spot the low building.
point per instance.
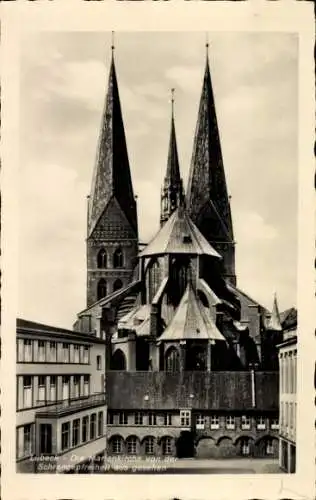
(61, 408)
(288, 389)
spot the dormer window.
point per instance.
(187, 238)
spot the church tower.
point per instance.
(207, 198)
(172, 193)
(112, 233)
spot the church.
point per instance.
(191, 361)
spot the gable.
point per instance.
(113, 223)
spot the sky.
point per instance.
(63, 84)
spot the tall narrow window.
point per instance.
(65, 384)
(76, 353)
(41, 351)
(41, 389)
(27, 350)
(86, 385)
(52, 352)
(131, 445)
(65, 436)
(100, 423)
(66, 352)
(93, 419)
(245, 446)
(52, 388)
(75, 432)
(27, 391)
(102, 289)
(76, 386)
(24, 441)
(101, 259)
(152, 418)
(86, 355)
(99, 362)
(149, 445)
(118, 258)
(167, 446)
(168, 419)
(45, 439)
(138, 418)
(85, 423)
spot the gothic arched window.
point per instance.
(118, 258)
(153, 279)
(102, 289)
(101, 259)
(172, 360)
(117, 285)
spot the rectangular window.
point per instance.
(100, 423)
(230, 422)
(214, 422)
(131, 445)
(138, 418)
(85, 423)
(53, 388)
(168, 419)
(41, 389)
(76, 353)
(149, 446)
(27, 391)
(99, 363)
(93, 419)
(45, 439)
(25, 441)
(65, 387)
(122, 418)
(152, 418)
(52, 352)
(76, 386)
(75, 432)
(185, 418)
(245, 422)
(261, 423)
(86, 355)
(110, 418)
(65, 436)
(66, 352)
(200, 421)
(27, 351)
(41, 351)
(86, 385)
(274, 423)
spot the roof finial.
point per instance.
(172, 100)
(112, 45)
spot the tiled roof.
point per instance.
(179, 235)
(191, 321)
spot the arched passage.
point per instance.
(118, 361)
(117, 285)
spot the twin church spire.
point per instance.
(112, 212)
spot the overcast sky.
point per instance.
(63, 87)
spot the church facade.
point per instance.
(191, 361)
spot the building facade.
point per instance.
(288, 390)
(61, 410)
(191, 360)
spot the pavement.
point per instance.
(170, 465)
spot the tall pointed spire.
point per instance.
(207, 198)
(112, 177)
(275, 320)
(112, 234)
(172, 191)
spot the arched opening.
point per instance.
(185, 445)
(172, 361)
(118, 258)
(196, 359)
(244, 446)
(118, 361)
(101, 259)
(267, 446)
(206, 448)
(102, 289)
(117, 285)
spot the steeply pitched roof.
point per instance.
(207, 183)
(289, 318)
(275, 321)
(173, 170)
(179, 235)
(112, 175)
(191, 321)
